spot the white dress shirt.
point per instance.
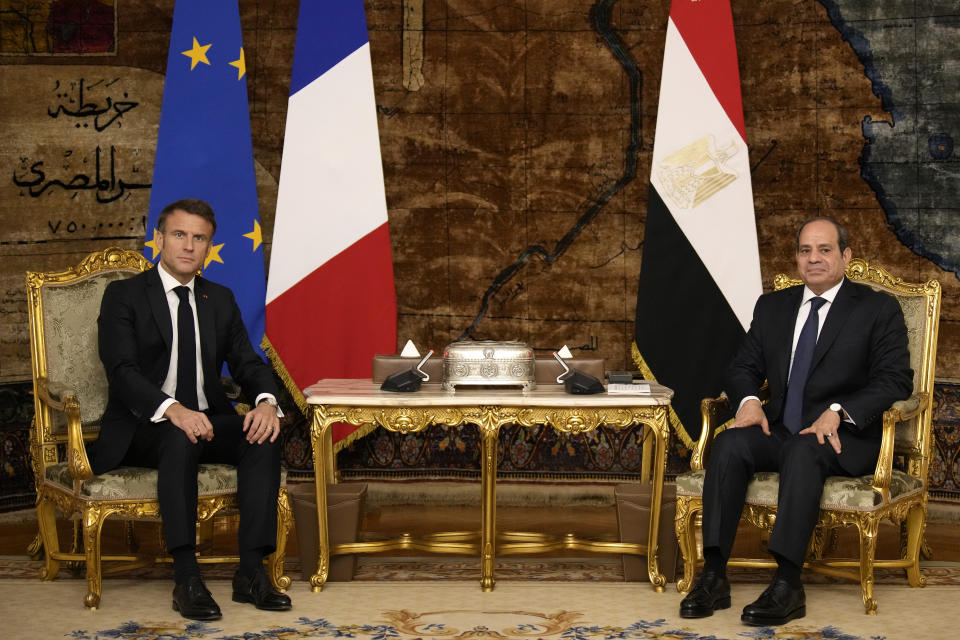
(169, 386)
(802, 314)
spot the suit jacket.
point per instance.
(136, 334)
(861, 361)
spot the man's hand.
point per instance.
(826, 429)
(193, 423)
(750, 414)
(261, 423)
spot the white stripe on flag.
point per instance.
(331, 178)
(721, 229)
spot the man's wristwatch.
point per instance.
(839, 409)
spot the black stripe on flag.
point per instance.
(685, 330)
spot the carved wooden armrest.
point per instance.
(711, 409)
(898, 412)
(911, 407)
(51, 394)
(60, 397)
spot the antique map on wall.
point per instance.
(908, 156)
(517, 169)
(58, 27)
(516, 139)
(77, 160)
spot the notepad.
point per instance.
(635, 389)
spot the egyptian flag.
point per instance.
(331, 303)
(700, 275)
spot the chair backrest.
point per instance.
(921, 312)
(62, 311)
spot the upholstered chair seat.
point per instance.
(839, 492)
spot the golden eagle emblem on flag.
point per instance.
(697, 171)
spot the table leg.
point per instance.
(488, 503)
(661, 433)
(646, 459)
(320, 472)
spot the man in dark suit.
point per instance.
(164, 337)
(835, 356)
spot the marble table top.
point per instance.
(364, 393)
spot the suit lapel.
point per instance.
(205, 316)
(784, 338)
(159, 306)
(837, 316)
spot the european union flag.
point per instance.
(204, 149)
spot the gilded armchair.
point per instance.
(70, 394)
(896, 491)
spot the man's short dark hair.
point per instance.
(843, 238)
(195, 206)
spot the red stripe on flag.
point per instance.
(707, 30)
(332, 322)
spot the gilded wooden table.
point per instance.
(361, 402)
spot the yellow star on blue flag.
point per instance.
(255, 235)
(197, 54)
(204, 149)
(240, 64)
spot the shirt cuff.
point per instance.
(158, 414)
(745, 398)
(271, 400)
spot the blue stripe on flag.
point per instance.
(327, 32)
(204, 148)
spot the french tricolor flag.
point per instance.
(700, 275)
(331, 303)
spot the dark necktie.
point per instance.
(802, 358)
(186, 352)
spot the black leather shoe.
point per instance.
(192, 599)
(778, 604)
(710, 593)
(258, 591)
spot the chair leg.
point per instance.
(915, 525)
(130, 536)
(686, 536)
(93, 517)
(276, 559)
(926, 551)
(76, 545)
(35, 548)
(47, 522)
(205, 532)
(868, 547)
(817, 543)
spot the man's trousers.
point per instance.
(166, 448)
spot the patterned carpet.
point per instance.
(390, 569)
(140, 609)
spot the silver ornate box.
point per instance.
(487, 362)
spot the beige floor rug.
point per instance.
(140, 609)
(428, 569)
